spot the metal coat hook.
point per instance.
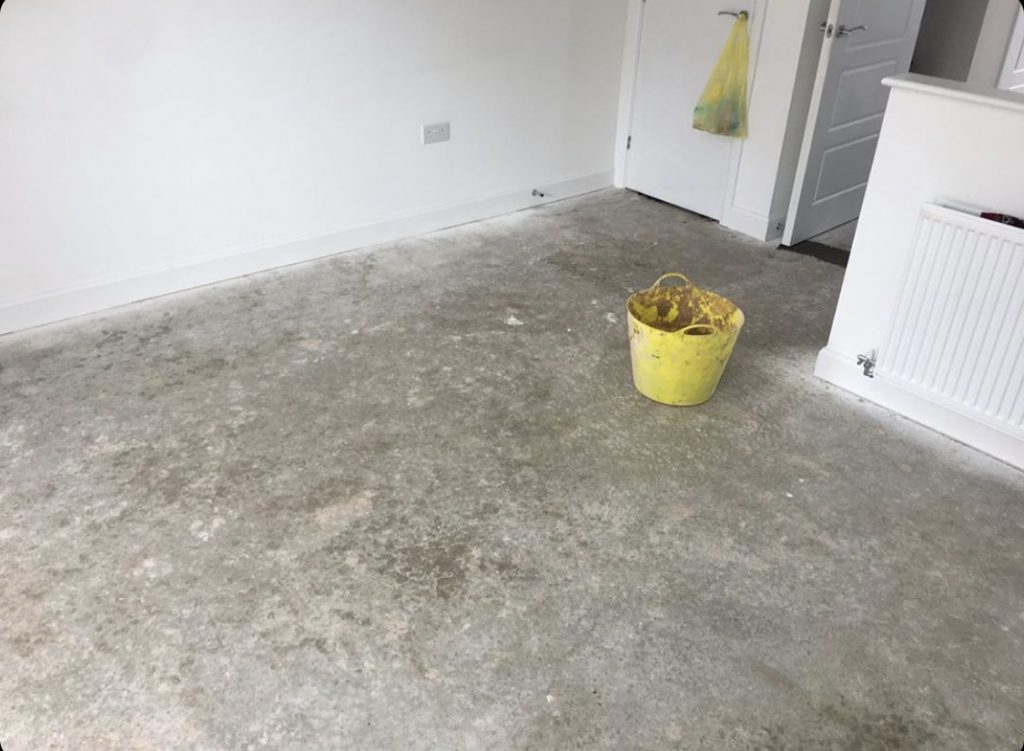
(734, 14)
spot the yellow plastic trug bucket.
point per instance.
(680, 339)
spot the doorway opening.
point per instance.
(803, 171)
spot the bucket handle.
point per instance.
(706, 326)
(671, 275)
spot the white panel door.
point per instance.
(680, 42)
(1013, 72)
(865, 41)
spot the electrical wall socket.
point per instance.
(437, 133)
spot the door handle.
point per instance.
(845, 31)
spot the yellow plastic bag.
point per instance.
(722, 108)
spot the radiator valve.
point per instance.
(868, 362)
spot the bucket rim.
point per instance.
(736, 318)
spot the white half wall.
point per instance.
(148, 147)
(942, 143)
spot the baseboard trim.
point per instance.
(776, 227)
(843, 371)
(58, 305)
(746, 222)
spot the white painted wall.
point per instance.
(150, 146)
(950, 31)
(993, 42)
(942, 142)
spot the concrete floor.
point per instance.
(408, 499)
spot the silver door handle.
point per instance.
(740, 14)
(845, 31)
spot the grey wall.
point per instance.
(995, 38)
(949, 38)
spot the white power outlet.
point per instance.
(437, 133)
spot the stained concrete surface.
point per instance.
(355, 505)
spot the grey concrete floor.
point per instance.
(353, 505)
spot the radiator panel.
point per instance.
(957, 333)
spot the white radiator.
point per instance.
(957, 334)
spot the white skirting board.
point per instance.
(746, 222)
(56, 305)
(755, 225)
(843, 371)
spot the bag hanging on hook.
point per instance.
(722, 108)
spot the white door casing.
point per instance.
(1012, 78)
(680, 42)
(847, 110)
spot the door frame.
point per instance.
(813, 112)
(732, 215)
(1012, 51)
(817, 93)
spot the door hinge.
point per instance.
(868, 362)
(629, 142)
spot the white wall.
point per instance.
(935, 146)
(993, 42)
(949, 37)
(150, 146)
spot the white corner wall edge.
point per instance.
(58, 305)
(627, 89)
(843, 371)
